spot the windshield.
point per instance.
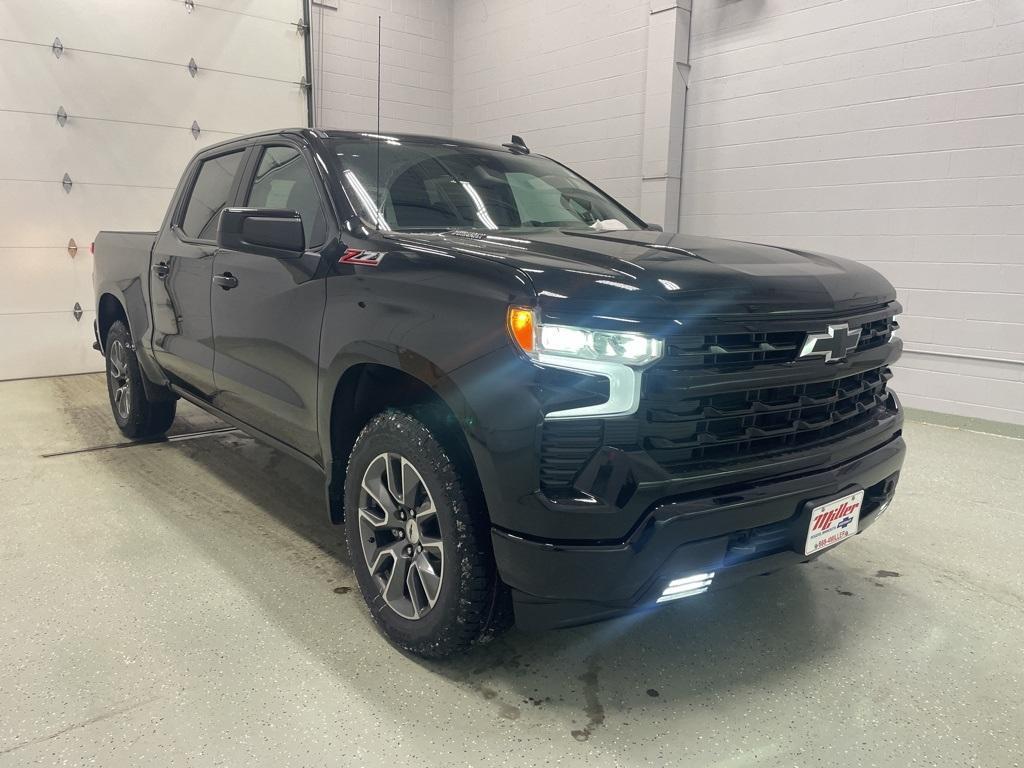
(438, 187)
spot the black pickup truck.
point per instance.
(526, 402)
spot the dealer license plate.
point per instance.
(833, 522)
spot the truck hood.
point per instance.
(658, 275)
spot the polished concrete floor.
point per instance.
(185, 603)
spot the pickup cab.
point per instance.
(527, 404)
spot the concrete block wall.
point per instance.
(567, 75)
(416, 64)
(888, 131)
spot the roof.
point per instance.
(323, 133)
(412, 138)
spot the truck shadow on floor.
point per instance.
(661, 664)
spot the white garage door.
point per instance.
(121, 74)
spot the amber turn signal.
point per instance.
(520, 325)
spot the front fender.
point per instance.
(491, 402)
(442, 321)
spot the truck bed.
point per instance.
(122, 253)
(120, 256)
(121, 266)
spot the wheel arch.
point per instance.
(367, 385)
(110, 309)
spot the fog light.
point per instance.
(688, 586)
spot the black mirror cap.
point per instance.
(274, 232)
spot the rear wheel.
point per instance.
(420, 547)
(135, 415)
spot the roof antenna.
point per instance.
(517, 146)
(380, 211)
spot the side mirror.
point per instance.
(265, 231)
(655, 228)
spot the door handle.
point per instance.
(161, 270)
(227, 281)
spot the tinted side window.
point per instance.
(283, 180)
(210, 196)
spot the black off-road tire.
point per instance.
(136, 416)
(472, 603)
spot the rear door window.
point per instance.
(210, 195)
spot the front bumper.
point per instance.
(736, 532)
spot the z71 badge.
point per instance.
(364, 258)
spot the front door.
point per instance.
(266, 320)
(181, 271)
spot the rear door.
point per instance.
(182, 271)
(267, 325)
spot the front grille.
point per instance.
(749, 348)
(876, 333)
(750, 420)
(755, 422)
(733, 349)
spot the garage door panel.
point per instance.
(160, 31)
(97, 151)
(38, 280)
(95, 86)
(47, 344)
(268, 9)
(124, 82)
(82, 278)
(80, 214)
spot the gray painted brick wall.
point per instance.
(568, 76)
(888, 131)
(416, 65)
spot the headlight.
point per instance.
(628, 348)
(618, 356)
(634, 349)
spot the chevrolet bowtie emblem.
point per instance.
(834, 345)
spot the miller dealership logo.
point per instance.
(834, 345)
(844, 514)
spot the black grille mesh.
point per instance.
(565, 448)
(877, 333)
(761, 421)
(752, 348)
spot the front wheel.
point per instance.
(420, 547)
(136, 415)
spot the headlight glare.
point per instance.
(537, 339)
(562, 339)
(627, 348)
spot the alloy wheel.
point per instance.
(117, 360)
(401, 535)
